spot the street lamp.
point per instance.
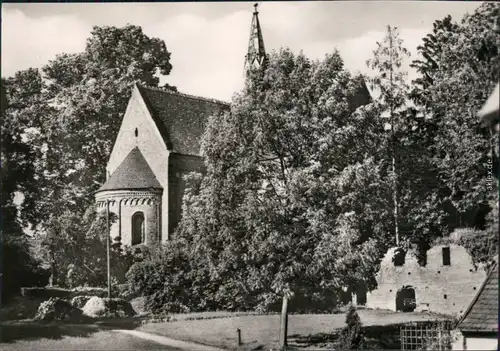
(108, 234)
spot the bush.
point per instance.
(352, 336)
(19, 268)
(164, 278)
(482, 245)
(89, 291)
(56, 309)
(49, 292)
(45, 293)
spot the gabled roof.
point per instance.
(180, 118)
(482, 313)
(133, 173)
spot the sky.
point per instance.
(208, 40)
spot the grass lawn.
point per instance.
(101, 340)
(261, 332)
(30, 335)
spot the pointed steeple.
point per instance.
(256, 56)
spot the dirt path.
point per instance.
(163, 340)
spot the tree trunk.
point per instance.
(284, 323)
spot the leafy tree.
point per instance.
(21, 141)
(459, 69)
(66, 117)
(275, 164)
(73, 110)
(164, 281)
(76, 249)
(19, 268)
(391, 82)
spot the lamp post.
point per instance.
(108, 234)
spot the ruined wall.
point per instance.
(438, 288)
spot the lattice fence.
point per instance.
(432, 335)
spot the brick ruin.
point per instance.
(446, 284)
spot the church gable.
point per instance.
(180, 118)
(139, 130)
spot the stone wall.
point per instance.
(446, 289)
(179, 166)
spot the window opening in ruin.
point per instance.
(422, 248)
(445, 296)
(138, 228)
(405, 299)
(446, 256)
(399, 257)
(136, 132)
(361, 295)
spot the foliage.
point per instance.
(19, 267)
(482, 245)
(56, 309)
(76, 250)
(283, 169)
(416, 206)
(459, 66)
(164, 280)
(352, 336)
(57, 134)
(389, 78)
(75, 105)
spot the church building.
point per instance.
(157, 144)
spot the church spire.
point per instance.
(256, 56)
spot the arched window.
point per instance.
(138, 231)
(405, 299)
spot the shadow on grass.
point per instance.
(32, 330)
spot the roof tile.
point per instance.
(133, 173)
(482, 314)
(181, 118)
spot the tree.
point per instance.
(459, 69)
(73, 110)
(22, 143)
(352, 336)
(75, 247)
(275, 166)
(65, 119)
(391, 81)
(19, 268)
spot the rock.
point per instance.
(139, 305)
(80, 301)
(56, 309)
(108, 308)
